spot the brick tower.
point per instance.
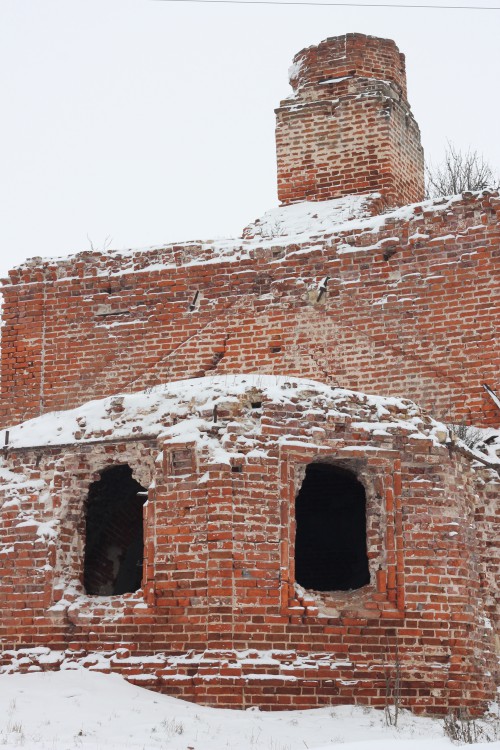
(348, 128)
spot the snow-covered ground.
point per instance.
(81, 709)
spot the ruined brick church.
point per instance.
(227, 468)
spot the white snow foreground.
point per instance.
(80, 709)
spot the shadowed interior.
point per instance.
(330, 543)
(114, 533)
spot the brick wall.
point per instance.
(402, 303)
(218, 619)
(411, 308)
(348, 128)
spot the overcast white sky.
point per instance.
(150, 121)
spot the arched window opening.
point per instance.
(114, 534)
(330, 542)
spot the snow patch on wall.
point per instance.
(184, 411)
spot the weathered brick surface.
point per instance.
(411, 308)
(218, 619)
(403, 303)
(348, 128)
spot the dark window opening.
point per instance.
(114, 533)
(330, 542)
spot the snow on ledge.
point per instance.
(186, 412)
(306, 224)
(309, 218)
(180, 410)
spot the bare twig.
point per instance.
(460, 171)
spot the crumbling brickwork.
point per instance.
(348, 128)
(358, 295)
(219, 617)
(411, 308)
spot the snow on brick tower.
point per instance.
(196, 491)
(348, 128)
